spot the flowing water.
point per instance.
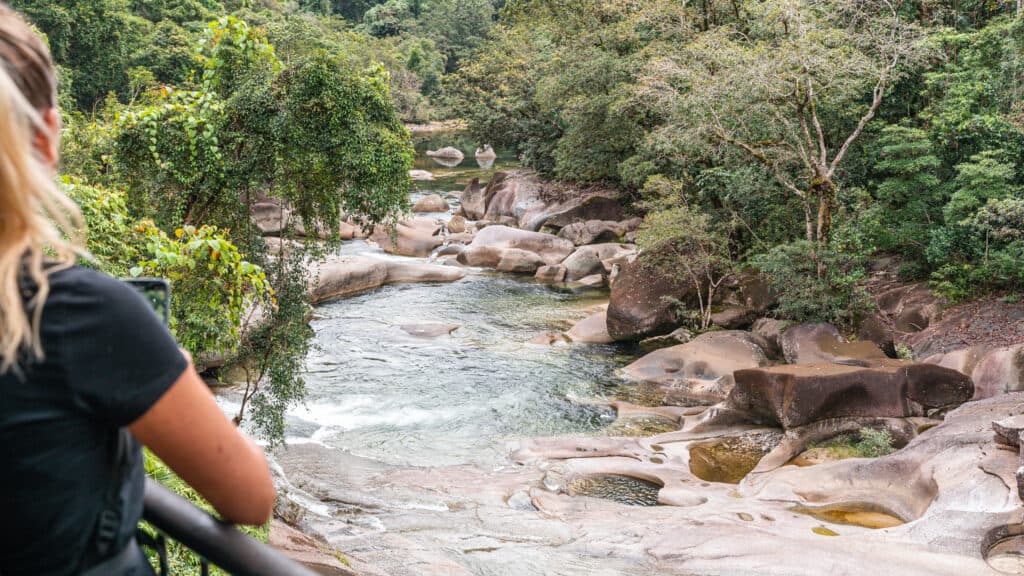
(385, 396)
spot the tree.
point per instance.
(686, 240)
(788, 94)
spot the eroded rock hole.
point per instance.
(621, 489)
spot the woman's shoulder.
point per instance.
(75, 284)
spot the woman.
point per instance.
(82, 357)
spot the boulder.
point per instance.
(343, 276)
(486, 152)
(963, 360)
(414, 238)
(421, 272)
(911, 308)
(734, 317)
(770, 330)
(592, 232)
(593, 208)
(514, 195)
(448, 152)
(457, 225)
(699, 371)
(588, 260)
(592, 330)
(638, 308)
(796, 395)
(481, 256)
(551, 274)
(999, 372)
(473, 201)
(822, 343)
(677, 337)
(520, 261)
(591, 282)
(302, 549)
(431, 203)
(551, 249)
(421, 175)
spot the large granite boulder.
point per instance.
(593, 232)
(417, 237)
(700, 371)
(822, 343)
(473, 201)
(593, 208)
(589, 260)
(519, 261)
(638, 308)
(592, 330)
(796, 395)
(447, 153)
(431, 203)
(770, 331)
(999, 372)
(346, 275)
(552, 249)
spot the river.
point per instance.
(381, 401)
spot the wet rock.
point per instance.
(431, 203)
(421, 175)
(473, 201)
(551, 273)
(399, 272)
(519, 261)
(481, 256)
(795, 395)
(699, 371)
(448, 152)
(429, 330)
(550, 339)
(457, 225)
(592, 232)
(551, 249)
(770, 330)
(592, 330)
(638, 308)
(450, 250)
(592, 282)
(822, 343)
(588, 260)
(302, 549)
(677, 337)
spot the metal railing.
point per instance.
(218, 543)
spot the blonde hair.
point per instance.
(39, 227)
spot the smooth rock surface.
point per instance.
(638, 308)
(699, 371)
(795, 395)
(588, 260)
(592, 330)
(431, 203)
(552, 249)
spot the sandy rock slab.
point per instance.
(343, 276)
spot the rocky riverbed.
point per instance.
(501, 390)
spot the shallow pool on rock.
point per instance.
(730, 459)
(852, 514)
(621, 489)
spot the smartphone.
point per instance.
(157, 292)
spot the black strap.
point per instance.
(124, 562)
(108, 525)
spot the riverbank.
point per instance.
(421, 392)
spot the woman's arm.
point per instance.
(190, 433)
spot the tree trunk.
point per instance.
(825, 191)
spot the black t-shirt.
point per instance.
(108, 359)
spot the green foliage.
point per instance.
(866, 443)
(389, 19)
(213, 285)
(181, 560)
(987, 176)
(684, 239)
(111, 235)
(804, 296)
